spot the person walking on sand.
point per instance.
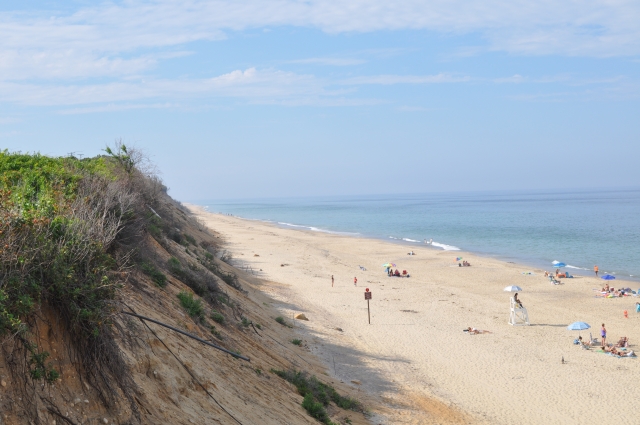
(603, 335)
(595, 269)
(355, 281)
(332, 281)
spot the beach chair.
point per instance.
(554, 281)
(592, 340)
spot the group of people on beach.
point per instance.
(396, 273)
(618, 349)
(464, 263)
(608, 292)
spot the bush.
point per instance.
(315, 409)
(215, 332)
(245, 322)
(191, 305)
(226, 257)
(67, 229)
(319, 391)
(175, 267)
(217, 317)
(297, 342)
(189, 239)
(156, 275)
(281, 320)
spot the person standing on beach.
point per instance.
(603, 335)
(355, 281)
(332, 281)
(595, 269)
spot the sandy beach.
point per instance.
(414, 356)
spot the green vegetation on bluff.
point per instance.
(317, 394)
(64, 227)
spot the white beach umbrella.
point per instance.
(513, 288)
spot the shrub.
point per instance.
(217, 317)
(189, 239)
(153, 225)
(258, 326)
(245, 322)
(281, 320)
(191, 305)
(315, 409)
(175, 267)
(215, 332)
(319, 391)
(67, 230)
(156, 275)
(226, 257)
(297, 342)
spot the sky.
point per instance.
(286, 98)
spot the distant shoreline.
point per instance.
(528, 262)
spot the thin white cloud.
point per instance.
(516, 78)
(405, 79)
(251, 84)
(560, 78)
(97, 38)
(104, 54)
(329, 61)
(9, 120)
(115, 107)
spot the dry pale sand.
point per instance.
(414, 355)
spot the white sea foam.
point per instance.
(410, 240)
(445, 246)
(315, 229)
(574, 267)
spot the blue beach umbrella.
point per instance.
(578, 326)
(559, 264)
(607, 277)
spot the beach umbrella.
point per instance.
(387, 265)
(559, 264)
(607, 277)
(458, 258)
(513, 288)
(578, 326)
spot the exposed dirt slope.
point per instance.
(177, 380)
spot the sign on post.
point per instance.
(367, 296)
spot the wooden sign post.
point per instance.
(367, 296)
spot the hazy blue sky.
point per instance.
(248, 98)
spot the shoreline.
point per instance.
(414, 356)
(529, 262)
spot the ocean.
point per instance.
(580, 228)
